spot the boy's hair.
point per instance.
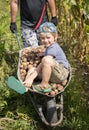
(48, 27)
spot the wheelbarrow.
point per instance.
(49, 107)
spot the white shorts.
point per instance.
(29, 37)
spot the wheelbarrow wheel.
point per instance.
(51, 111)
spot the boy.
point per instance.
(54, 65)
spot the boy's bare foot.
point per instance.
(28, 83)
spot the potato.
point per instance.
(35, 65)
(30, 66)
(52, 93)
(24, 64)
(36, 61)
(60, 87)
(23, 71)
(30, 57)
(47, 93)
(53, 86)
(21, 66)
(56, 91)
(64, 82)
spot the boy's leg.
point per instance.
(30, 71)
(29, 80)
(47, 63)
(46, 69)
(31, 76)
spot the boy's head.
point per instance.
(48, 28)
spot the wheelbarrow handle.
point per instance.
(17, 38)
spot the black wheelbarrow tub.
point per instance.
(19, 76)
(51, 103)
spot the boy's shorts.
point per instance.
(59, 73)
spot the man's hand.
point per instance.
(13, 27)
(54, 20)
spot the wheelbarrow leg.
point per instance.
(51, 113)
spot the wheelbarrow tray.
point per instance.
(19, 75)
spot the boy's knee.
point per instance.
(47, 60)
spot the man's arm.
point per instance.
(52, 7)
(14, 10)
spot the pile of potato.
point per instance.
(31, 57)
(56, 88)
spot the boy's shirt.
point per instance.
(57, 52)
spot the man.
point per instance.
(32, 14)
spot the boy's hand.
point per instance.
(13, 27)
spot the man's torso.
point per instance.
(30, 11)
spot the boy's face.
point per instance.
(47, 39)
